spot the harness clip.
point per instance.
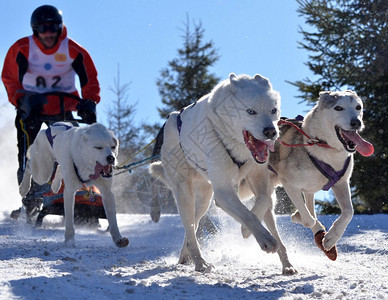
(312, 141)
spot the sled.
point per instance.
(88, 207)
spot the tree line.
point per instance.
(347, 45)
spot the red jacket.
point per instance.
(16, 66)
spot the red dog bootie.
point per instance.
(332, 253)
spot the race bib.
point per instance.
(48, 73)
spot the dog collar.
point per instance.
(331, 174)
(78, 175)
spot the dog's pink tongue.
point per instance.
(261, 151)
(363, 147)
(271, 145)
(97, 171)
(261, 148)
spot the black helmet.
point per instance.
(46, 14)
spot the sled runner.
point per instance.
(41, 201)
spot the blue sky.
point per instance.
(252, 36)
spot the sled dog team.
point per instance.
(228, 146)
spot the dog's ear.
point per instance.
(232, 77)
(327, 99)
(116, 141)
(262, 81)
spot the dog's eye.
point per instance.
(274, 111)
(251, 111)
(358, 107)
(338, 108)
(98, 148)
(113, 148)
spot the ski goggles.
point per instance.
(51, 27)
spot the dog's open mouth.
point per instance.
(352, 141)
(259, 149)
(104, 171)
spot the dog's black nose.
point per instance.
(355, 123)
(269, 132)
(110, 159)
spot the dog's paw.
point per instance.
(123, 242)
(289, 271)
(155, 214)
(70, 243)
(203, 267)
(319, 240)
(268, 243)
(330, 239)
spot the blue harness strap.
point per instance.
(50, 137)
(329, 172)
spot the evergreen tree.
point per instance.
(121, 116)
(187, 78)
(348, 50)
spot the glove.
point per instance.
(87, 111)
(30, 106)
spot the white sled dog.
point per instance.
(211, 146)
(86, 156)
(320, 157)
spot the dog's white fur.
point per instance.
(201, 159)
(298, 175)
(75, 149)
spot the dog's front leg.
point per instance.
(310, 204)
(341, 191)
(25, 185)
(110, 212)
(262, 187)
(302, 216)
(68, 202)
(228, 200)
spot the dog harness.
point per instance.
(331, 174)
(49, 135)
(179, 127)
(51, 138)
(310, 141)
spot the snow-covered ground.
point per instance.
(35, 263)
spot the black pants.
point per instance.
(27, 130)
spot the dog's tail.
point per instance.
(156, 168)
(158, 142)
(156, 171)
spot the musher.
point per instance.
(47, 61)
